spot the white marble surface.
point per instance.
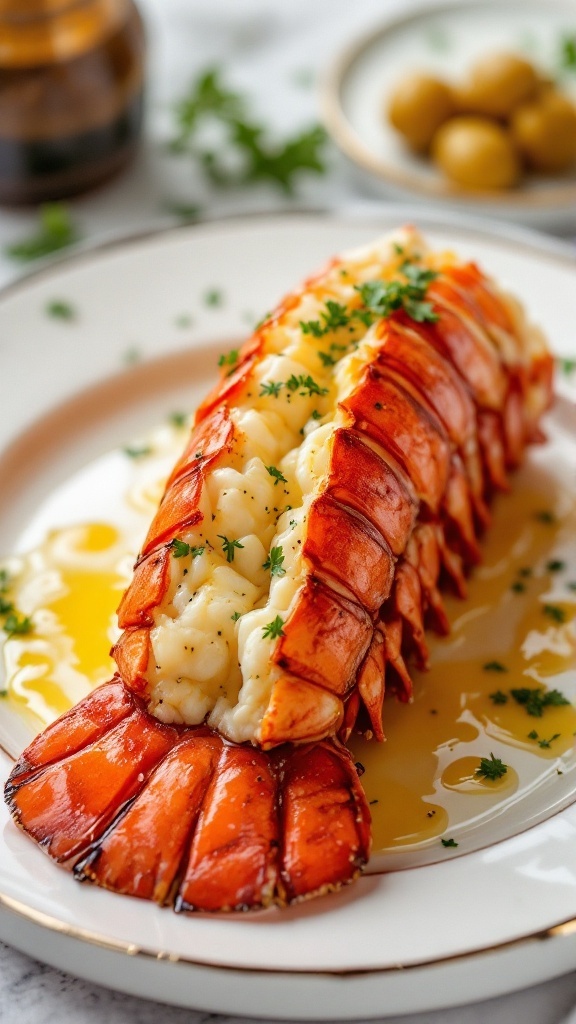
(270, 50)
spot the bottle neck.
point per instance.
(40, 32)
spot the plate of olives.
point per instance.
(469, 104)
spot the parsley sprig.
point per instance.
(180, 549)
(229, 546)
(274, 562)
(277, 476)
(536, 700)
(273, 629)
(56, 231)
(407, 292)
(15, 624)
(491, 768)
(261, 158)
(303, 383)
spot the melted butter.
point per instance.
(421, 780)
(463, 776)
(70, 586)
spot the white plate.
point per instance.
(464, 929)
(444, 39)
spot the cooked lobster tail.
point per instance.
(336, 479)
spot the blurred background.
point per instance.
(141, 117)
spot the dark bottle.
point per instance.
(71, 84)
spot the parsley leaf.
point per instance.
(568, 53)
(491, 768)
(229, 358)
(178, 419)
(56, 231)
(180, 549)
(271, 387)
(498, 697)
(307, 383)
(17, 625)
(138, 453)
(274, 562)
(449, 842)
(211, 102)
(494, 666)
(273, 629)
(554, 612)
(535, 701)
(228, 547)
(60, 310)
(278, 478)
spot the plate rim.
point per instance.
(548, 198)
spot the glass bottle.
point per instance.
(71, 85)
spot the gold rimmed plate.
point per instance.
(395, 942)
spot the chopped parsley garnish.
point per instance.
(213, 297)
(271, 387)
(229, 358)
(518, 587)
(186, 212)
(274, 562)
(304, 381)
(235, 616)
(138, 453)
(258, 157)
(334, 316)
(307, 383)
(276, 474)
(555, 565)
(17, 625)
(498, 697)
(567, 366)
(132, 355)
(5, 606)
(554, 612)
(60, 310)
(491, 768)
(178, 419)
(568, 53)
(180, 549)
(383, 297)
(494, 666)
(228, 547)
(315, 415)
(183, 320)
(535, 701)
(544, 516)
(326, 359)
(273, 629)
(56, 231)
(4, 580)
(543, 743)
(449, 842)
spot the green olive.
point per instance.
(418, 106)
(545, 132)
(477, 153)
(497, 84)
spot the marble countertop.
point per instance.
(271, 51)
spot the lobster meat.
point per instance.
(338, 475)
